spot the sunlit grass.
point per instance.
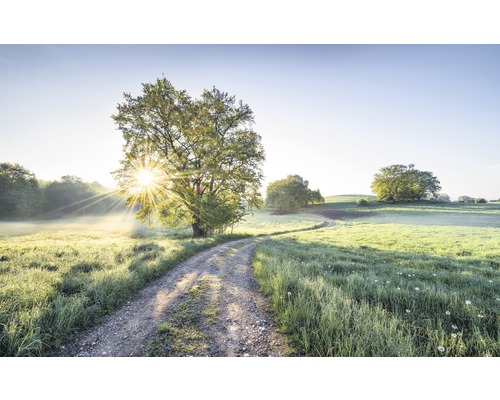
(265, 223)
(59, 277)
(367, 289)
(55, 283)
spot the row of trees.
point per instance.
(23, 196)
(292, 192)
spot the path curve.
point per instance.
(244, 325)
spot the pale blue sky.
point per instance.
(333, 114)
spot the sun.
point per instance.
(144, 177)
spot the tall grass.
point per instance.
(57, 278)
(54, 284)
(366, 289)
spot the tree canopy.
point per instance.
(292, 192)
(404, 183)
(203, 156)
(20, 193)
(23, 196)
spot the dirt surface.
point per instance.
(235, 319)
(344, 215)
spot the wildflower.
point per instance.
(409, 274)
(454, 335)
(459, 333)
(480, 315)
(408, 311)
(399, 288)
(376, 280)
(467, 302)
(454, 327)
(447, 312)
(388, 281)
(498, 298)
(417, 289)
(434, 275)
(490, 281)
(441, 349)
(289, 294)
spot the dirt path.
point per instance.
(208, 305)
(243, 325)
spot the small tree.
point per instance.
(443, 198)
(466, 199)
(404, 183)
(481, 200)
(292, 192)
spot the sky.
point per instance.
(334, 114)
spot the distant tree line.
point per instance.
(23, 196)
(292, 192)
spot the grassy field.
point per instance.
(399, 280)
(57, 278)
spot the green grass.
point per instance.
(56, 283)
(265, 223)
(367, 287)
(60, 277)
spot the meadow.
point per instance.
(397, 280)
(60, 277)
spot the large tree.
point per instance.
(193, 160)
(292, 192)
(404, 183)
(20, 194)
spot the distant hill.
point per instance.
(347, 197)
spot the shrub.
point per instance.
(481, 200)
(362, 202)
(466, 199)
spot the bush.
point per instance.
(466, 199)
(362, 202)
(481, 200)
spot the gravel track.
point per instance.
(244, 326)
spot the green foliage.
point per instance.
(315, 197)
(20, 193)
(291, 193)
(205, 149)
(466, 199)
(481, 200)
(71, 195)
(22, 196)
(404, 183)
(363, 202)
(443, 198)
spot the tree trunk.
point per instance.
(198, 232)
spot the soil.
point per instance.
(209, 305)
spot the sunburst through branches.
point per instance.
(144, 182)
